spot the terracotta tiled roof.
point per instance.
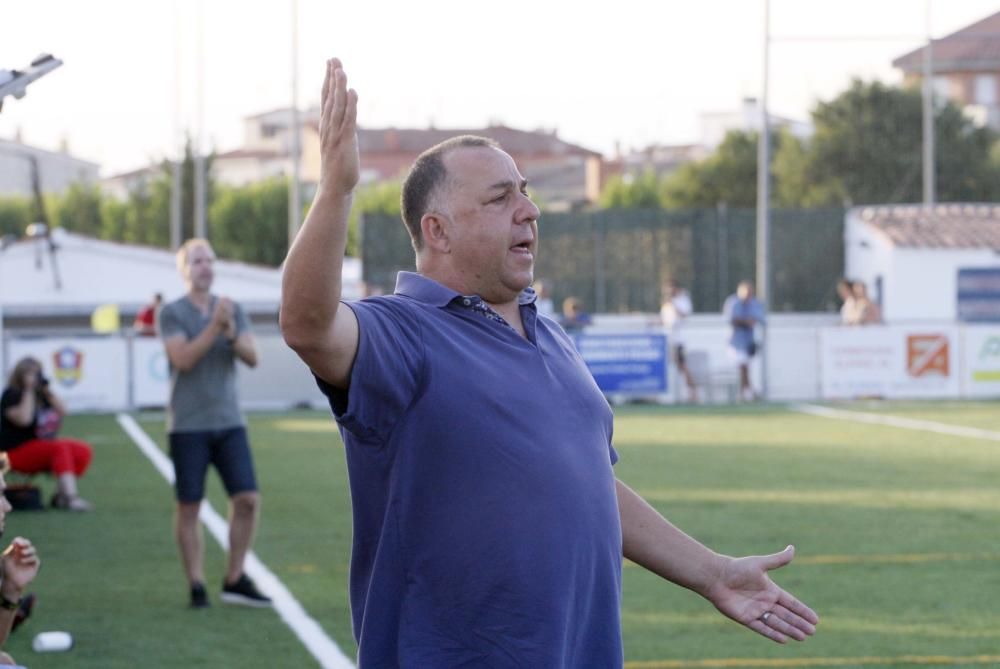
(973, 48)
(952, 226)
(417, 140)
(139, 173)
(259, 154)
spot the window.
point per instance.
(942, 88)
(985, 90)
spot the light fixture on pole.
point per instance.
(764, 193)
(15, 82)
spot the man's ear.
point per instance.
(434, 228)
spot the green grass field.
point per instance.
(896, 532)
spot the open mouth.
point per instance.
(524, 247)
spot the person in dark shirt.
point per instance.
(30, 417)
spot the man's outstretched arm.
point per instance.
(739, 587)
(314, 323)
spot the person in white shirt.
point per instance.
(676, 306)
(543, 300)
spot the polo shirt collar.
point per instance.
(429, 291)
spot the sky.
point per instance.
(604, 75)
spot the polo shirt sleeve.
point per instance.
(242, 322)
(387, 370)
(170, 324)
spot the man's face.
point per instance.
(493, 229)
(198, 271)
(744, 291)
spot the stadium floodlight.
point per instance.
(15, 82)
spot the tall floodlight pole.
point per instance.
(764, 192)
(295, 149)
(200, 228)
(928, 115)
(175, 189)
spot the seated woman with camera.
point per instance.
(30, 416)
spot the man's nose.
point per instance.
(529, 210)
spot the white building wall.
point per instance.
(927, 281)
(917, 283)
(57, 171)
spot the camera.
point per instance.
(43, 381)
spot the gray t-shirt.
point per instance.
(205, 397)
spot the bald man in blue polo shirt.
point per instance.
(489, 527)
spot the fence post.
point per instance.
(722, 226)
(600, 280)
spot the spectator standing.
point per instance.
(543, 298)
(848, 308)
(867, 311)
(205, 335)
(675, 308)
(744, 312)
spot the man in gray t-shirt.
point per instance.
(204, 335)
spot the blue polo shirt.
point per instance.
(741, 337)
(486, 527)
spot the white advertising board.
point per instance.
(981, 371)
(88, 373)
(150, 373)
(889, 361)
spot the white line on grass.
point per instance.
(897, 421)
(316, 641)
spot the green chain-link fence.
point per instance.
(615, 260)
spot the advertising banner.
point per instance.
(889, 361)
(978, 298)
(981, 372)
(88, 373)
(626, 364)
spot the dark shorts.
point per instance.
(228, 450)
(679, 355)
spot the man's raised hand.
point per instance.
(340, 164)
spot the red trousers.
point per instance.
(56, 456)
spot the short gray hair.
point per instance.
(426, 177)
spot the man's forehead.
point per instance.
(480, 166)
(200, 251)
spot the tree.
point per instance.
(15, 215)
(79, 210)
(629, 191)
(145, 218)
(376, 198)
(867, 149)
(729, 175)
(250, 223)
